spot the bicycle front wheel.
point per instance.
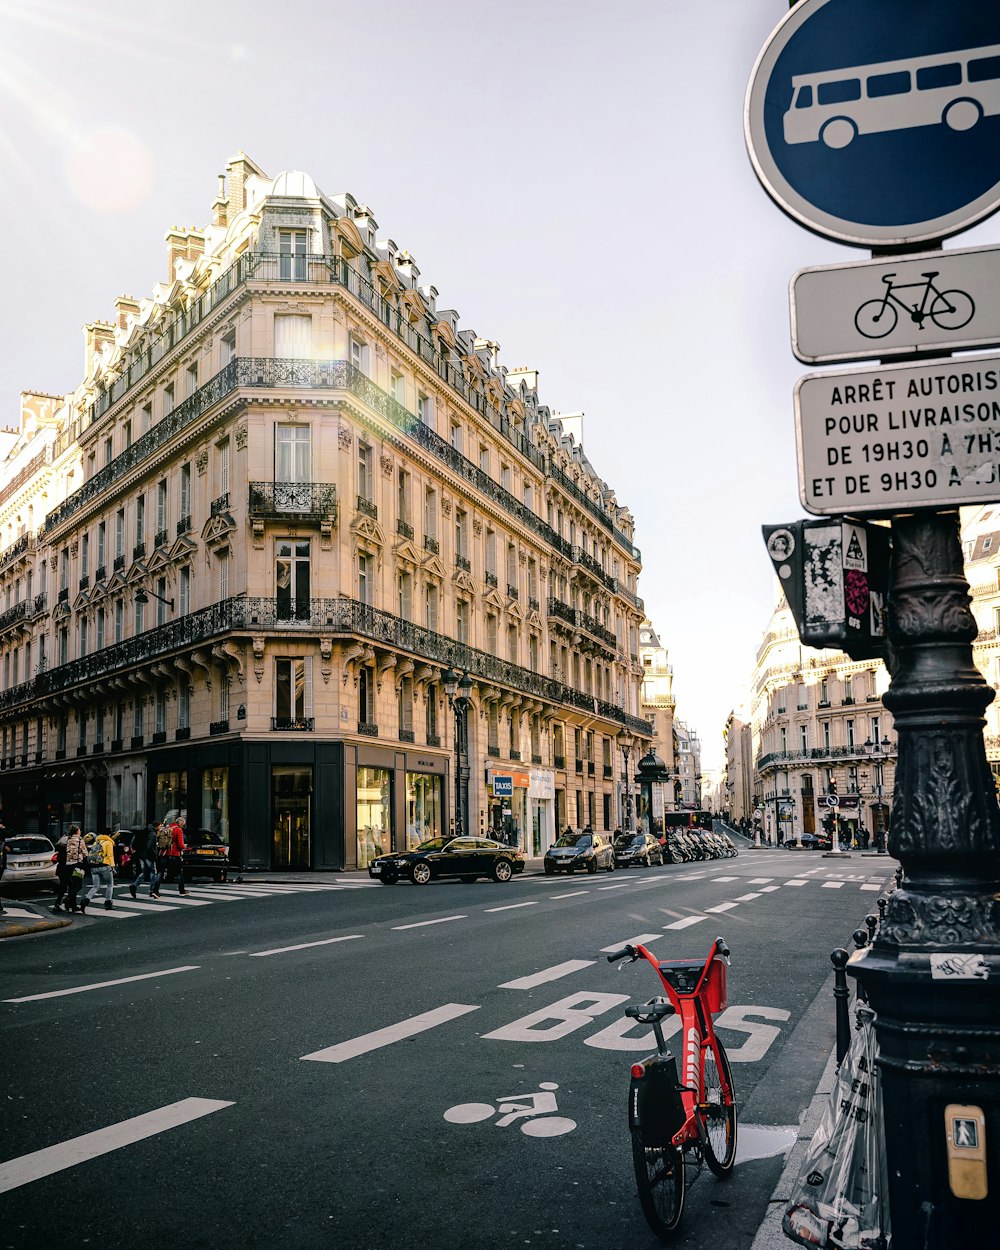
(659, 1178)
(952, 309)
(876, 319)
(717, 1119)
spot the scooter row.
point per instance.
(686, 845)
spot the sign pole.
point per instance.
(845, 141)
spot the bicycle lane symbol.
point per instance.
(535, 1110)
(948, 310)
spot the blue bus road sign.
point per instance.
(877, 122)
(931, 302)
(899, 437)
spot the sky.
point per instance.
(571, 176)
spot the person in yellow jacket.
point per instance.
(102, 872)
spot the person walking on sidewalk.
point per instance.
(148, 865)
(101, 858)
(175, 853)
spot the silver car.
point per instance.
(30, 857)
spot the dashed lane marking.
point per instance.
(422, 924)
(722, 907)
(686, 922)
(101, 985)
(721, 879)
(745, 898)
(392, 1033)
(868, 886)
(575, 894)
(512, 906)
(624, 885)
(550, 974)
(282, 950)
(797, 882)
(759, 880)
(833, 885)
(642, 938)
(769, 889)
(32, 1167)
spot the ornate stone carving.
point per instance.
(388, 464)
(345, 436)
(241, 436)
(445, 506)
(258, 657)
(201, 461)
(326, 657)
(477, 526)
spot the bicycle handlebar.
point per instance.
(627, 952)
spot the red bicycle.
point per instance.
(674, 1120)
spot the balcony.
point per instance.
(432, 545)
(160, 539)
(558, 761)
(63, 596)
(535, 758)
(138, 551)
(533, 604)
(313, 502)
(100, 573)
(404, 529)
(84, 582)
(579, 766)
(366, 507)
(559, 611)
(136, 741)
(14, 614)
(184, 525)
(182, 733)
(97, 749)
(368, 728)
(118, 563)
(512, 591)
(491, 579)
(18, 550)
(158, 738)
(407, 735)
(493, 752)
(302, 724)
(117, 744)
(586, 561)
(219, 727)
(219, 505)
(463, 562)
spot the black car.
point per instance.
(637, 848)
(465, 858)
(811, 842)
(205, 855)
(579, 850)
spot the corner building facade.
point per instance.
(288, 497)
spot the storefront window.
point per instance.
(170, 796)
(374, 813)
(291, 791)
(215, 802)
(423, 808)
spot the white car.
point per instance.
(30, 857)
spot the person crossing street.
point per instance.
(175, 852)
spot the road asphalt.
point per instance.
(22, 919)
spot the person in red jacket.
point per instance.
(175, 852)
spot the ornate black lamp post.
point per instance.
(878, 752)
(457, 689)
(652, 775)
(933, 971)
(626, 741)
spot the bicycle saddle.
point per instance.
(647, 1013)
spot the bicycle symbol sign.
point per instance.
(877, 122)
(935, 301)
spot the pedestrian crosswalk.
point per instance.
(125, 907)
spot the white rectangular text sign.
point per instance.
(896, 437)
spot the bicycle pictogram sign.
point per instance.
(534, 1110)
(948, 310)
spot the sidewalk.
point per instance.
(18, 919)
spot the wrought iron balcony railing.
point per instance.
(23, 546)
(219, 505)
(277, 501)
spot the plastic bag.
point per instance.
(841, 1197)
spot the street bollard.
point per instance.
(841, 995)
(861, 938)
(871, 920)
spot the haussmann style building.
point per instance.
(300, 558)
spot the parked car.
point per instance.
(31, 857)
(811, 842)
(205, 855)
(579, 850)
(637, 848)
(465, 858)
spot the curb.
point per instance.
(22, 925)
(770, 1235)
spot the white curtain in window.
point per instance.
(292, 336)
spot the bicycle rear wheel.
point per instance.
(717, 1125)
(659, 1178)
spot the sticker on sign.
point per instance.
(899, 436)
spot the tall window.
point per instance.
(184, 590)
(366, 701)
(161, 506)
(291, 691)
(102, 536)
(533, 652)
(456, 436)
(406, 708)
(431, 606)
(119, 533)
(100, 626)
(161, 607)
(140, 519)
(462, 620)
(365, 478)
(491, 633)
(292, 337)
(224, 574)
(190, 381)
(430, 717)
(850, 734)
(848, 687)
(292, 453)
(185, 495)
(183, 704)
(461, 533)
(292, 578)
(491, 552)
(359, 354)
(512, 643)
(140, 617)
(425, 408)
(292, 255)
(160, 713)
(84, 560)
(405, 604)
(430, 512)
(224, 467)
(366, 570)
(403, 497)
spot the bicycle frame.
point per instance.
(687, 984)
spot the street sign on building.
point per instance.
(935, 301)
(877, 122)
(889, 439)
(835, 575)
(503, 787)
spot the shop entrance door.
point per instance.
(291, 804)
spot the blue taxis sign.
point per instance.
(877, 122)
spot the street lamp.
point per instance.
(457, 689)
(877, 752)
(627, 740)
(142, 596)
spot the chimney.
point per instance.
(95, 335)
(528, 376)
(239, 169)
(125, 306)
